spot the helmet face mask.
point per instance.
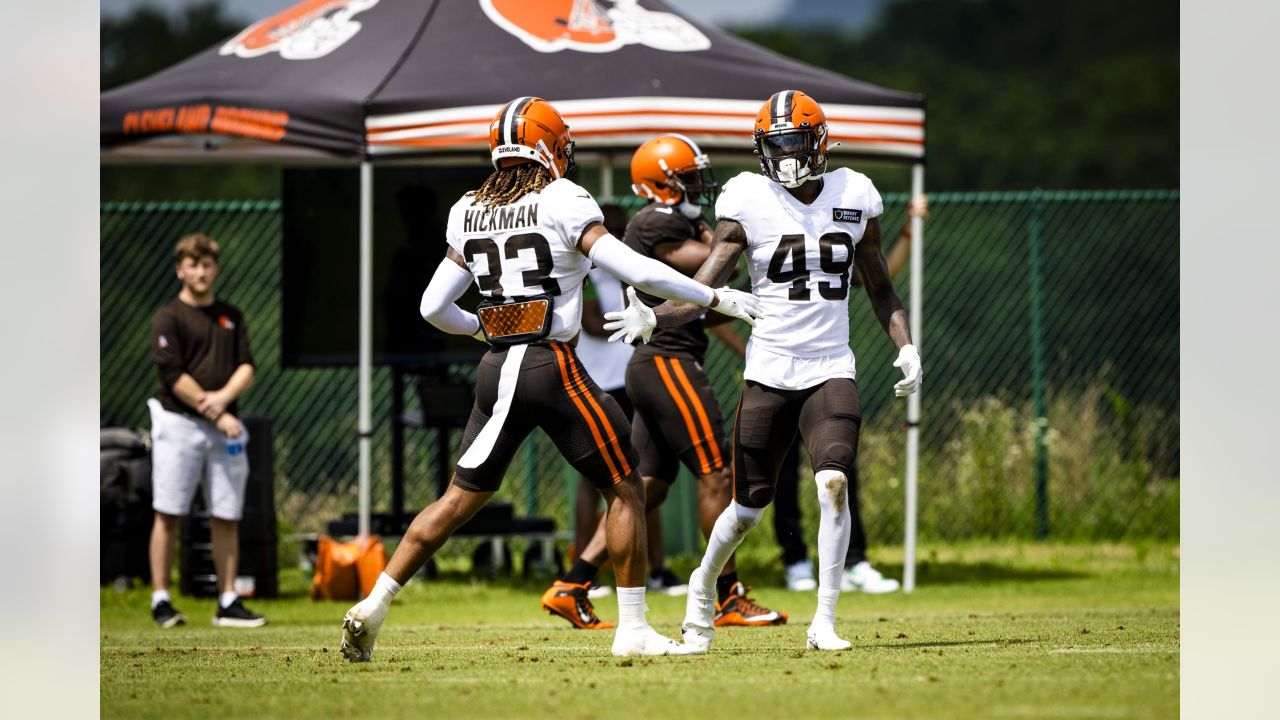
(791, 138)
(699, 186)
(792, 157)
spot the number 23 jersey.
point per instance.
(529, 247)
(800, 258)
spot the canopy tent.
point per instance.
(368, 80)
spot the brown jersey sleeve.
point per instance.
(166, 347)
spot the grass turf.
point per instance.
(992, 631)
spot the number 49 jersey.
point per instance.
(801, 257)
(529, 247)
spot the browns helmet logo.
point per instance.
(593, 25)
(308, 30)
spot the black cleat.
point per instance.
(166, 615)
(237, 615)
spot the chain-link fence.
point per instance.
(1050, 349)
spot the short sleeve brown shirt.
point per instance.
(208, 343)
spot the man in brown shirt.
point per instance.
(201, 348)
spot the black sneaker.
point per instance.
(662, 580)
(166, 615)
(237, 615)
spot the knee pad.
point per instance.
(833, 488)
(744, 518)
(755, 496)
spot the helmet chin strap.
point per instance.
(689, 210)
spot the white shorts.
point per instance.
(185, 450)
(788, 372)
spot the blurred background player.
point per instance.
(201, 348)
(859, 575)
(802, 231)
(606, 363)
(527, 238)
(677, 418)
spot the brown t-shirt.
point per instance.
(653, 225)
(207, 343)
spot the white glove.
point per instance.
(738, 304)
(637, 320)
(909, 361)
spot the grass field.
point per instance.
(992, 631)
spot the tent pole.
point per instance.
(365, 433)
(606, 176)
(913, 400)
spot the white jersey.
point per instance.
(800, 258)
(529, 247)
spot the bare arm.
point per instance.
(188, 391)
(686, 256)
(214, 403)
(727, 245)
(869, 259)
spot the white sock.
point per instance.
(731, 528)
(384, 589)
(834, 529)
(225, 599)
(826, 612)
(631, 608)
(158, 596)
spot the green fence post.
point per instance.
(1036, 270)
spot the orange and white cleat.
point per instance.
(738, 609)
(570, 601)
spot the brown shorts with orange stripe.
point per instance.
(677, 418)
(542, 385)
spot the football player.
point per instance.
(527, 238)
(677, 419)
(802, 231)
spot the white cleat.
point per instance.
(645, 641)
(697, 640)
(823, 637)
(699, 624)
(864, 578)
(360, 630)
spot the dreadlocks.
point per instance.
(506, 185)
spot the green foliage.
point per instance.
(148, 39)
(1020, 93)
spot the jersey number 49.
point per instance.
(791, 252)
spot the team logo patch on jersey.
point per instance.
(593, 25)
(846, 215)
(226, 323)
(306, 31)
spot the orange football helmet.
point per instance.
(670, 169)
(791, 138)
(531, 129)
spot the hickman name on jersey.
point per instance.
(529, 247)
(800, 258)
